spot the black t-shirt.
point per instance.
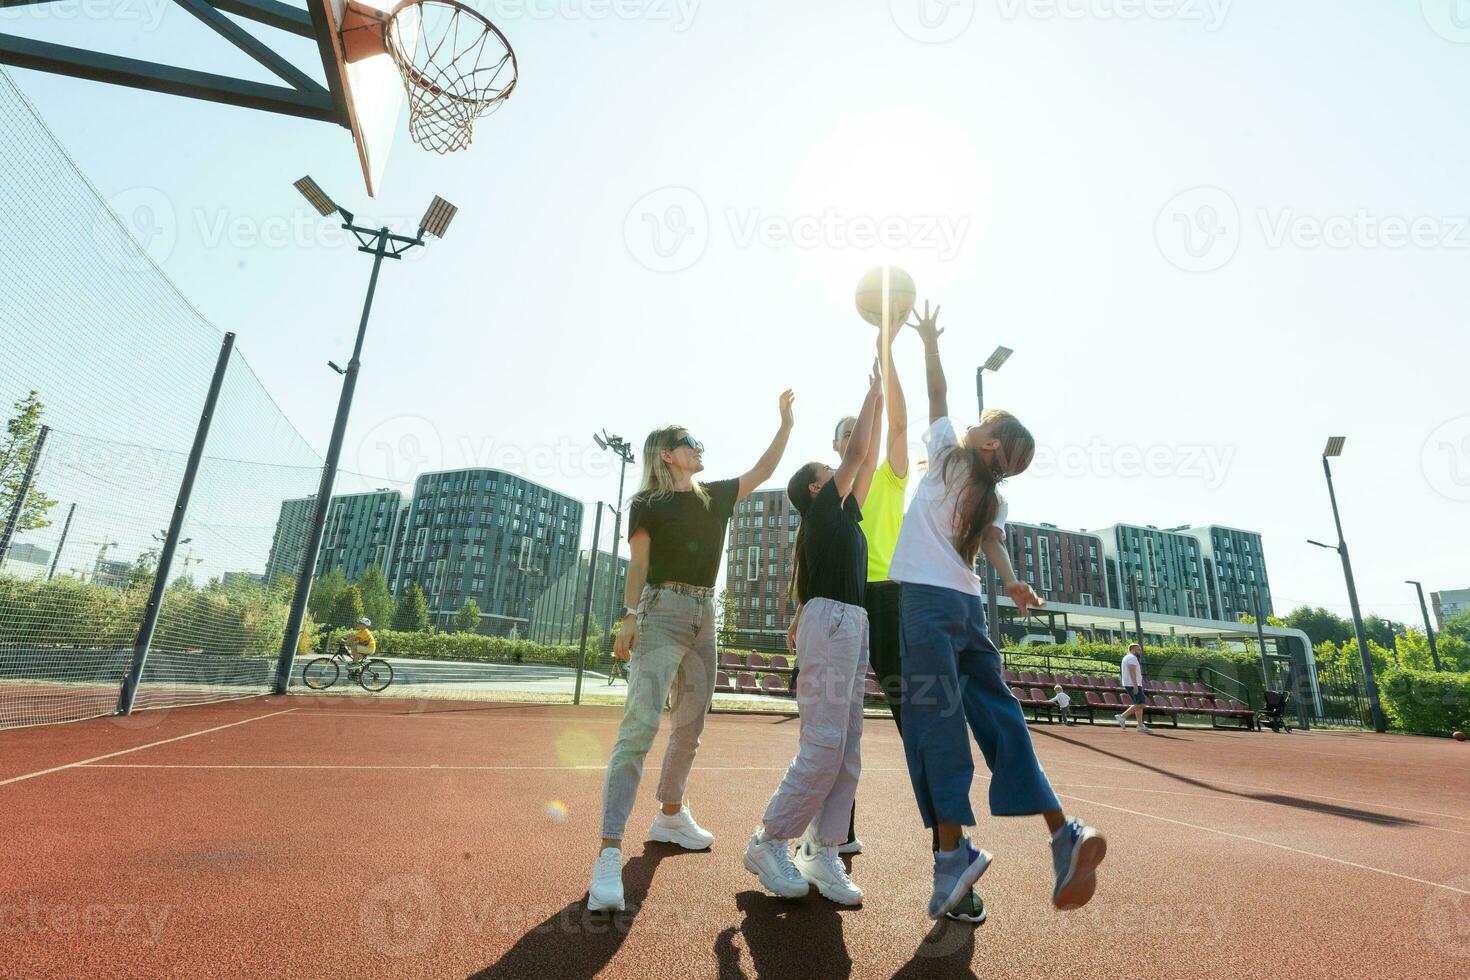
(834, 552)
(686, 539)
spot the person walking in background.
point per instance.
(1130, 674)
(676, 537)
(814, 799)
(1063, 702)
(947, 654)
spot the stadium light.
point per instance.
(317, 197)
(624, 451)
(381, 244)
(1428, 627)
(997, 359)
(436, 219)
(1370, 683)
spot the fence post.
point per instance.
(587, 603)
(175, 528)
(65, 530)
(12, 520)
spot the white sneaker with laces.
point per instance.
(820, 866)
(1145, 729)
(853, 846)
(680, 828)
(1122, 722)
(606, 891)
(770, 861)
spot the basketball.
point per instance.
(1459, 736)
(900, 296)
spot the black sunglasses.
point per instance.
(689, 441)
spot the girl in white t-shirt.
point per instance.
(952, 673)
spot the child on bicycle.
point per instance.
(361, 643)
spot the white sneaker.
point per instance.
(820, 867)
(853, 846)
(1145, 729)
(680, 828)
(606, 890)
(1122, 722)
(770, 861)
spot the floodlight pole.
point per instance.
(380, 244)
(1370, 683)
(625, 453)
(66, 529)
(1428, 628)
(587, 604)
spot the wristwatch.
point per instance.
(629, 611)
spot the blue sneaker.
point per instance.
(1076, 851)
(955, 873)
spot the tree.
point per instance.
(726, 626)
(1381, 631)
(1458, 626)
(21, 433)
(347, 609)
(467, 620)
(324, 595)
(377, 601)
(1320, 625)
(412, 614)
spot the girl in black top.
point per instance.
(814, 800)
(676, 535)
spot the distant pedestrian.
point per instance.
(1130, 673)
(1063, 703)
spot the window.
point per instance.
(421, 541)
(770, 620)
(525, 560)
(1044, 547)
(752, 564)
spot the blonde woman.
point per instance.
(676, 536)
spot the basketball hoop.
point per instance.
(456, 66)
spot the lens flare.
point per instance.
(556, 811)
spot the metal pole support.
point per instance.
(587, 603)
(144, 641)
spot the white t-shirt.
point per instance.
(1062, 700)
(1127, 676)
(926, 553)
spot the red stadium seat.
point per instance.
(722, 681)
(771, 684)
(745, 682)
(731, 661)
(780, 665)
(1044, 679)
(1109, 698)
(872, 691)
(1199, 690)
(1177, 704)
(1028, 677)
(1016, 693)
(756, 661)
(1011, 678)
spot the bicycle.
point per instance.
(374, 674)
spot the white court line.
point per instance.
(1265, 789)
(87, 763)
(1267, 843)
(426, 768)
(1222, 798)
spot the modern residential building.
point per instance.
(556, 615)
(1449, 603)
(1235, 570)
(361, 529)
(761, 543)
(26, 560)
(113, 574)
(486, 535)
(1165, 569)
(1061, 565)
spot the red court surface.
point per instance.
(316, 837)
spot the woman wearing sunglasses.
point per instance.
(676, 537)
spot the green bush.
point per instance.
(470, 647)
(1426, 701)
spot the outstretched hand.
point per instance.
(927, 326)
(1024, 597)
(787, 398)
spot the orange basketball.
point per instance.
(1459, 736)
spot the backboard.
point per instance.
(368, 90)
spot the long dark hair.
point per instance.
(968, 473)
(799, 492)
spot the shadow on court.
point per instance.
(1276, 799)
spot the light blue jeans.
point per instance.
(675, 661)
(821, 782)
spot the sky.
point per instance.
(1214, 233)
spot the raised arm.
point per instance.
(929, 331)
(993, 544)
(627, 640)
(898, 413)
(766, 465)
(855, 459)
(864, 481)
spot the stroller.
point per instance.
(1274, 716)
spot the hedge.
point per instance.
(1426, 701)
(473, 647)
